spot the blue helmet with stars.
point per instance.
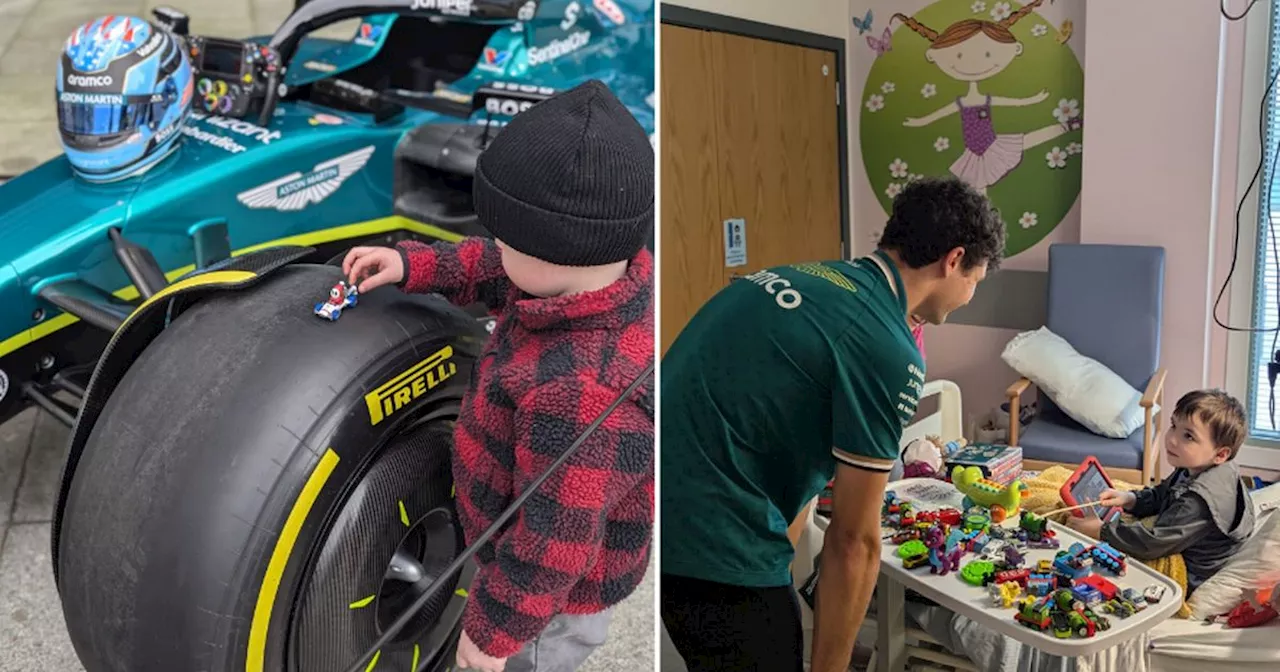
(124, 90)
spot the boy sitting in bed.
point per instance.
(1202, 510)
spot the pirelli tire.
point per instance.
(266, 490)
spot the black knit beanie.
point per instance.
(569, 180)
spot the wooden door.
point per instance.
(749, 131)
(779, 163)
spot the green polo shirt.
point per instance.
(779, 376)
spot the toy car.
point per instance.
(1154, 592)
(1135, 598)
(341, 296)
(1104, 587)
(1109, 558)
(173, 302)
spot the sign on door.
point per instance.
(735, 242)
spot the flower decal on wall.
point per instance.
(1039, 30)
(1001, 11)
(893, 190)
(929, 90)
(942, 144)
(1066, 109)
(1074, 148)
(875, 103)
(898, 168)
(1028, 220)
(887, 87)
(978, 7)
(1056, 158)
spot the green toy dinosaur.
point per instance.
(977, 489)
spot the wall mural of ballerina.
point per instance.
(994, 98)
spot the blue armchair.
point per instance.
(1107, 302)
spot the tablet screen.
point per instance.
(1089, 488)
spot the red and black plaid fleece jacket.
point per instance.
(581, 543)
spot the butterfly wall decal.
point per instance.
(1064, 33)
(863, 24)
(881, 45)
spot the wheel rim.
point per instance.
(395, 534)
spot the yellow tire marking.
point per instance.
(416, 653)
(348, 231)
(453, 491)
(404, 515)
(373, 662)
(460, 592)
(360, 604)
(255, 660)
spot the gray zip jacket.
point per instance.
(1205, 517)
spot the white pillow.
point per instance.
(1256, 566)
(1082, 387)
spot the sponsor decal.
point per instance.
(237, 126)
(4, 384)
(402, 390)
(611, 10)
(91, 98)
(524, 88)
(494, 60)
(558, 48)
(220, 141)
(368, 35)
(89, 80)
(163, 134)
(319, 66)
(455, 7)
(326, 119)
(450, 94)
(786, 297)
(493, 123)
(571, 13)
(506, 106)
(151, 45)
(296, 191)
(526, 11)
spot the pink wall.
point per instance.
(1150, 107)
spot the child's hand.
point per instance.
(381, 265)
(1090, 526)
(1123, 499)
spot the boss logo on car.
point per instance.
(456, 7)
(524, 88)
(89, 80)
(506, 106)
(402, 390)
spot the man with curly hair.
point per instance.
(785, 377)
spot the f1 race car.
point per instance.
(249, 487)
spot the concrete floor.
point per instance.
(32, 633)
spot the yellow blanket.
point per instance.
(1042, 495)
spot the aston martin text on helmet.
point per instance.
(124, 89)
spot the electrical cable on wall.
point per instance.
(1273, 367)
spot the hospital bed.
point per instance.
(1177, 645)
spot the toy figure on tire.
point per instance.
(341, 296)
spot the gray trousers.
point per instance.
(563, 645)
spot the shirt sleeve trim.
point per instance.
(862, 461)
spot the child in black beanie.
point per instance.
(566, 189)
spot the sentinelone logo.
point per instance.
(558, 48)
(400, 391)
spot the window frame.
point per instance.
(1244, 299)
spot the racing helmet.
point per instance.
(124, 91)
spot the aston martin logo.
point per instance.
(297, 190)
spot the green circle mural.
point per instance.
(987, 91)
